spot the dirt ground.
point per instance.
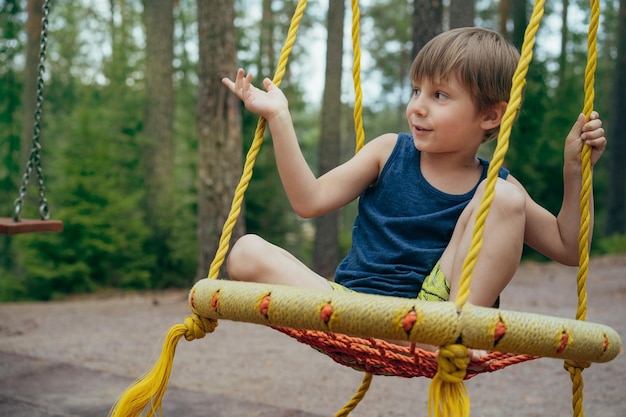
(113, 339)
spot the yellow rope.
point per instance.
(447, 394)
(148, 390)
(358, 396)
(575, 369)
(244, 181)
(356, 76)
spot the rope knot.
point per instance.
(447, 395)
(573, 366)
(453, 361)
(198, 327)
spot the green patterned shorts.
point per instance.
(435, 287)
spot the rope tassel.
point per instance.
(447, 394)
(148, 391)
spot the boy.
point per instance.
(419, 192)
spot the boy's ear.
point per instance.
(493, 116)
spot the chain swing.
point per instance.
(15, 224)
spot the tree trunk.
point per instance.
(616, 205)
(503, 17)
(427, 22)
(325, 251)
(267, 55)
(520, 21)
(564, 40)
(158, 160)
(31, 71)
(218, 122)
(461, 13)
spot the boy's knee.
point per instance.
(509, 199)
(241, 259)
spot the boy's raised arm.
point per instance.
(308, 195)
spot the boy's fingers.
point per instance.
(228, 83)
(268, 84)
(597, 143)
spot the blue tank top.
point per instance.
(402, 227)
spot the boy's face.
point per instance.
(443, 116)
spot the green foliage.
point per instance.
(387, 38)
(535, 155)
(10, 104)
(611, 245)
(104, 234)
(91, 253)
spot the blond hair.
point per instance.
(483, 60)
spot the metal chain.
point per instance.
(35, 158)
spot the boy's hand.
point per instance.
(266, 104)
(585, 133)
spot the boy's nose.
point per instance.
(417, 106)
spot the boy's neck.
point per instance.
(452, 174)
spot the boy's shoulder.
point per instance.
(379, 149)
(382, 143)
(388, 138)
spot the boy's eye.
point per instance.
(440, 95)
(416, 91)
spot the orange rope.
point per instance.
(379, 357)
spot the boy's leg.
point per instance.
(254, 259)
(501, 251)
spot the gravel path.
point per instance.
(244, 369)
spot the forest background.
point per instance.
(142, 147)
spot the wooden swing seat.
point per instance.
(8, 226)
